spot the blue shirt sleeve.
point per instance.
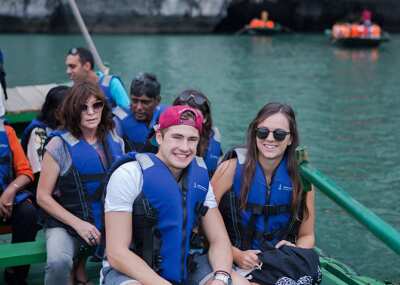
(118, 93)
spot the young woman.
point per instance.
(210, 141)
(70, 187)
(263, 202)
(37, 132)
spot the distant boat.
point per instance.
(262, 26)
(261, 31)
(357, 35)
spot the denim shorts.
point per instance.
(203, 272)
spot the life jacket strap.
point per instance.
(268, 210)
(147, 241)
(5, 159)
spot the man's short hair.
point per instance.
(145, 84)
(84, 55)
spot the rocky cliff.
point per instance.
(113, 16)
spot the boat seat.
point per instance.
(14, 254)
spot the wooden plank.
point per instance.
(23, 99)
(14, 254)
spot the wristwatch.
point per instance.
(223, 276)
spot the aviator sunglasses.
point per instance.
(278, 134)
(199, 100)
(96, 107)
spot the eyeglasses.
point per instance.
(278, 134)
(186, 97)
(96, 107)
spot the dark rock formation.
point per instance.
(311, 15)
(187, 16)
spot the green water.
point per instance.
(347, 104)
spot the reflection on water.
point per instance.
(371, 55)
(346, 101)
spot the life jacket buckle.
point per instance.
(201, 209)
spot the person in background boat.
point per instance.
(135, 124)
(263, 22)
(209, 146)
(16, 207)
(262, 200)
(35, 135)
(70, 186)
(154, 249)
(3, 76)
(80, 66)
(366, 17)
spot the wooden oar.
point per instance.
(88, 38)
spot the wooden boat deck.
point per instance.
(25, 101)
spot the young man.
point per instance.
(153, 202)
(80, 66)
(135, 124)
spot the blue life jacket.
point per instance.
(135, 133)
(105, 85)
(81, 188)
(27, 132)
(165, 213)
(268, 216)
(6, 166)
(214, 151)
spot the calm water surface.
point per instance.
(347, 103)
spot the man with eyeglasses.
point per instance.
(136, 123)
(80, 66)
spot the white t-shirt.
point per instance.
(125, 185)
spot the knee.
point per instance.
(59, 263)
(26, 212)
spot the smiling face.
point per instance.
(269, 148)
(178, 145)
(91, 114)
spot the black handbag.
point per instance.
(288, 265)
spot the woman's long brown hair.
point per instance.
(71, 109)
(250, 164)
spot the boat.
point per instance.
(262, 27)
(357, 35)
(261, 31)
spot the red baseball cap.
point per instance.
(172, 116)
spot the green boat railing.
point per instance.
(382, 230)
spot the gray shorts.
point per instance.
(203, 272)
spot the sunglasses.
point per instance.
(186, 97)
(73, 51)
(278, 134)
(96, 107)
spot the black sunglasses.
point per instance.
(278, 134)
(186, 97)
(96, 107)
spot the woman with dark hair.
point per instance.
(210, 141)
(37, 132)
(70, 186)
(263, 203)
